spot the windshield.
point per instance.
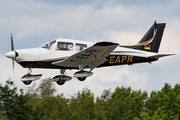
(49, 45)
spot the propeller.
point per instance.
(12, 54)
(12, 49)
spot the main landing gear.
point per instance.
(61, 79)
(28, 78)
(82, 75)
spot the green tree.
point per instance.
(100, 105)
(46, 87)
(53, 108)
(40, 103)
(43, 101)
(14, 105)
(165, 104)
(125, 104)
(81, 105)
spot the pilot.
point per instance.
(60, 46)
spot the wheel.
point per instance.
(81, 78)
(27, 82)
(60, 82)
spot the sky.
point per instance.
(35, 22)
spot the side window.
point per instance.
(80, 47)
(64, 46)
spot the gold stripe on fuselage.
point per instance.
(55, 59)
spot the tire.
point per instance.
(27, 82)
(60, 82)
(81, 78)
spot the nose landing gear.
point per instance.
(27, 82)
(28, 78)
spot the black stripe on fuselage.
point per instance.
(125, 59)
(111, 61)
(43, 64)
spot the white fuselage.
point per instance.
(49, 52)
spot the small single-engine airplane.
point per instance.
(74, 54)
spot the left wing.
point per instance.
(91, 57)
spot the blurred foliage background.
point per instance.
(42, 103)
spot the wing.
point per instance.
(91, 57)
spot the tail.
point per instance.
(152, 39)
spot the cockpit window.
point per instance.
(65, 46)
(49, 45)
(80, 47)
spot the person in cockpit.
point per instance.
(60, 46)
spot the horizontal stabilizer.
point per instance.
(157, 56)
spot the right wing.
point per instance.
(91, 57)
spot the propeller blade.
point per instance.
(13, 64)
(12, 49)
(12, 44)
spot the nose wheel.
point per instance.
(27, 82)
(28, 78)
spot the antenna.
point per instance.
(102, 39)
(120, 42)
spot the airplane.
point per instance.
(67, 54)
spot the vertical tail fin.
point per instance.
(152, 39)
